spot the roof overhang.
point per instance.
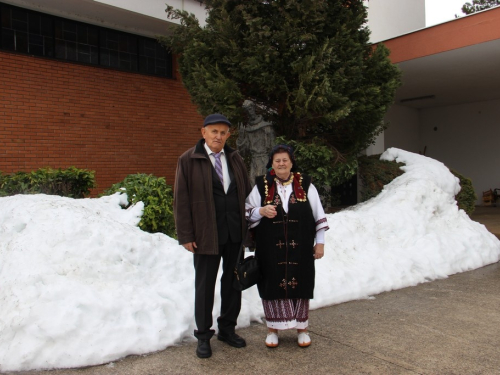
(451, 63)
(104, 13)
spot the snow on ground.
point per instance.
(81, 285)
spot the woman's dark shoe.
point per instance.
(232, 339)
(204, 350)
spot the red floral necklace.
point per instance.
(270, 186)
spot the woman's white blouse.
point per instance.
(253, 204)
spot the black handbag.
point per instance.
(246, 272)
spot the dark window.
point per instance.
(118, 50)
(76, 41)
(154, 58)
(27, 31)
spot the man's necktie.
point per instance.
(218, 166)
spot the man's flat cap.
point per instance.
(216, 118)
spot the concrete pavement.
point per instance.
(448, 326)
(489, 216)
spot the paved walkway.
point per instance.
(448, 326)
(490, 217)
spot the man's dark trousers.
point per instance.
(206, 268)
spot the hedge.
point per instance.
(71, 182)
(375, 173)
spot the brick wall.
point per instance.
(58, 114)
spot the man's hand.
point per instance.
(190, 246)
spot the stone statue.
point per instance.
(255, 140)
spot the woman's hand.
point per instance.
(319, 250)
(268, 211)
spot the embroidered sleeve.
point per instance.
(320, 236)
(317, 209)
(252, 205)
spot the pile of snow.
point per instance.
(412, 232)
(82, 285)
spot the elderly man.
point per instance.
(211, 185)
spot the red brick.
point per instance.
(113, 122)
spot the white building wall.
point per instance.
(391, 18)
(465, 138)
(156, 8)
(403, 129)
(378, 147)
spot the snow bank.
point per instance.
(82, 285)
(410, 233)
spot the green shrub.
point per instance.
(71, 182)
(323, 164)
(466, 198)
(375, 173)
(157, 197)
(2, 183)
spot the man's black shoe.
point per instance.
(232, 339)
(204, 350)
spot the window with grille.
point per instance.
(34, 33)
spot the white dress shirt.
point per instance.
(225, 171)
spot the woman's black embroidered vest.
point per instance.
(284, 246)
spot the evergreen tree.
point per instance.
(306, 64)
(478, 5)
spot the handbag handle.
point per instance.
(238, 260)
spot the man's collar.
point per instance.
(210, 151)
(200, 150)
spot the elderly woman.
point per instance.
(289, 221)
